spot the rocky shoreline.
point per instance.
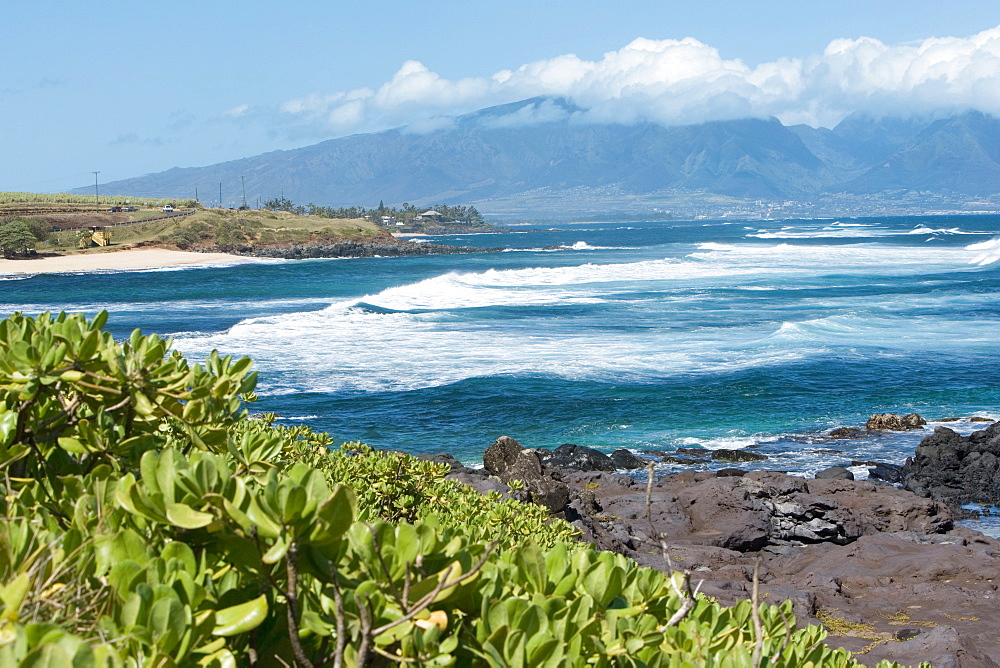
(357, 249)
(886, 569)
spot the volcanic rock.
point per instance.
(725, 455)
(893, 422)
(835, 473)
(579, 457)
(957, 469)
(856, 550)
(842, 433)
(499, 456)
(883, 472)
(625, 459)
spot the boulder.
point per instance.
(499, 456)
(570, 456)
(626, 460)
(526, 467)
(835, 473)
(554, 496)
(725, 455)
(842, 433)
(883, 472)
(894, 422)
(956, 469)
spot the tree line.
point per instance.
(405, 214)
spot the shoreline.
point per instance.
(131, 259)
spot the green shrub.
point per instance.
(146, 520)
(16, 238)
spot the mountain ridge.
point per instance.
(542, 155)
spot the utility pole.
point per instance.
(196, 193)
(244, 191)
(220, 195)
(97, 194)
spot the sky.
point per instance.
(126, 88)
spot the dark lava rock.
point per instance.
(569, 456)
(730, 473)
(553, 495)
(979, 418)
(889, 473)
(724, 455)
(499, 456)
(841, 433)
(509, 460)
(956, 469)
(870, 551)
(624, 459)
(388, 248)
(893, 422)
(526, 467)
(835, 473)
(684, 461)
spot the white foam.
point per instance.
(733, 442)
(987, 252)
(428, 333)
(904, 334)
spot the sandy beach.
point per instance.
(142, 258)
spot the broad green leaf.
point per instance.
(167, 621)
(186, 517)
(8, 427)
(12, 594)
(240, 618)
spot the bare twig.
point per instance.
(424, 602)
(292, 598)
(366, 630)
(687, 595)
(758, 628)
(339, 616)
(649, 497)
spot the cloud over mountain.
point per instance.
(686, 81)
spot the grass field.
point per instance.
(212, 228)
(8, 199)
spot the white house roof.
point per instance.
(432, 212)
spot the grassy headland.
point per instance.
(200, 229)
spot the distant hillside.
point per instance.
(536, 156)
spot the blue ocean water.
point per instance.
(648, 336)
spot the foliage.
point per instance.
(147, 520)
(40, 228)
(16, 238)
(406, 214)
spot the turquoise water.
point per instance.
(649, 336)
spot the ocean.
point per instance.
(647, 336)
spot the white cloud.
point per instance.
(531, 114)
(687, 81)
(236, 112)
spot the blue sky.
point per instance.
(130, 88)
